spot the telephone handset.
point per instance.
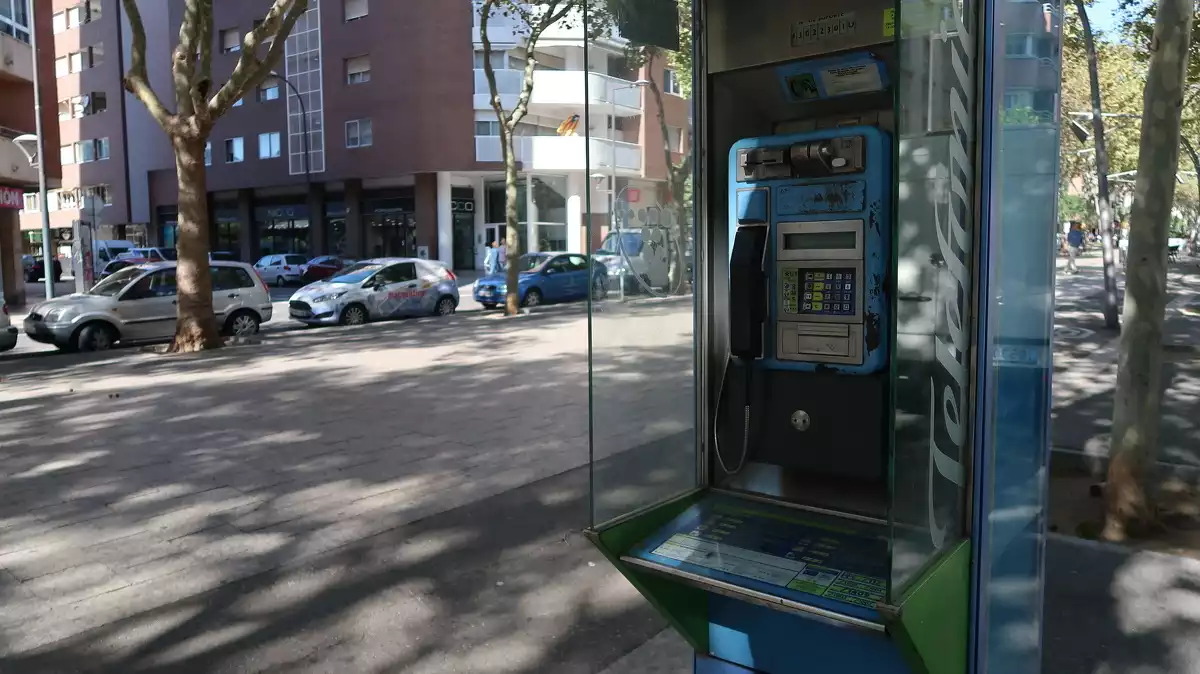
(748, 297)
(747, 292)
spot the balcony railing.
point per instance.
(563, 153)
(554, 90)
(16, 59)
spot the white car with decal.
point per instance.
(377, 289)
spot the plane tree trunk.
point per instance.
(1130, 491)
(196, 328)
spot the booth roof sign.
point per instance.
(12, 198)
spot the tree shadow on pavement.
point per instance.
(362, 502)
(1112, 610)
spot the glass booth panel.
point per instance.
(638, 220)
(1020, 159)
(934, 232)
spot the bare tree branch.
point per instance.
(250, 70)
(202, 77)
(137, 82)
(183, 61)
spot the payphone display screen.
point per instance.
(819, 292)
(821, 241)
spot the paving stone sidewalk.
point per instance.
(132, 486)
(1085, 365)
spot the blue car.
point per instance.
(546, 277)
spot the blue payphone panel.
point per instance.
(823, 199)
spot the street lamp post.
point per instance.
(612, 145)
(304, 146)
(43, 197)
(303, 124)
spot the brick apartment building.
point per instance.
(403, 156)
(397, 152)
(17, 119)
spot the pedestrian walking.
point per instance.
(491, 258)
(503, 256)
(1074, 247)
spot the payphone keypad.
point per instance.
(819, 292)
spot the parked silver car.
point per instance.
(374, 289)
(138, 304)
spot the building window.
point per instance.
(100, 193)
(354, 9)
(268, 145)
(231, 41)
(268, 91)
(675, 138)
(101, 149)
(59, 22)
(66, 155)
(671, 82)
(358, 133)
(358, 70)
(208, 153)
(1018, 45)
(93, 9)
(14, 19)
(74, 17)
(485, 128)
(31, 203)
(82, 106)
(498, 60)
(79, 61)
(85, 151)
(234, 151)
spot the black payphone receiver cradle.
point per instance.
(747, 316)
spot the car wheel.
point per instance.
(488, 306)
(599, 289)
(355, 314)
(95, 337)
(445, 306)
(279, 282)
(242, 324)
(533, 298)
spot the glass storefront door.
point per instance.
(391, 234)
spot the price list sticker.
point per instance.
(790, 287)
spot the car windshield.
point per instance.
(114, 284)
(356, 273)
(614, 242)
(531, 262)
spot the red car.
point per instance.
(321, 268)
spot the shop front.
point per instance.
(282, 228)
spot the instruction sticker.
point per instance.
(823, 28)
(803, 86)
(889, 22)
(856, 79)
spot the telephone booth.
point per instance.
(831, 456)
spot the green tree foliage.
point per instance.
(1122, 78)
(1137, 24)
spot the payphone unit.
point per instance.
(784, 559)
